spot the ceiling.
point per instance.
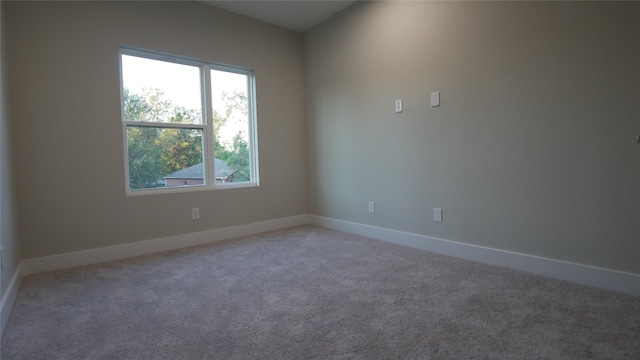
(296, 15)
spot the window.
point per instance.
(187, 124)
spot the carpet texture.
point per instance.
(313, 293)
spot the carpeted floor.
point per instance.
(313, 293)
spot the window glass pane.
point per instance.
(164, 157)
(160, 91)
(229, 94)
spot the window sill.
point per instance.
(191, 188)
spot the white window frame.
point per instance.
(206, 126)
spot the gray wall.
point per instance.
(532, 149)
(8, 233)
(67, 131)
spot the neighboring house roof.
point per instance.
(197, 171)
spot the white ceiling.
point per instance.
(296, 15)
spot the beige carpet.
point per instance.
(312, 293)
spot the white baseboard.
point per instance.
(94, 256)
(624, 282)
(9, 297)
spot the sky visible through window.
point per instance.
(180, 83)
(229, 83)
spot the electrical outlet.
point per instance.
(195, 214)
(372, 207)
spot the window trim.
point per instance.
(206, 126)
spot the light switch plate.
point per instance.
(437, 215)
(435, 99)
(398, 105)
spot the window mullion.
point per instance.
(253, 128)
(209, 128)
(163, 125)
